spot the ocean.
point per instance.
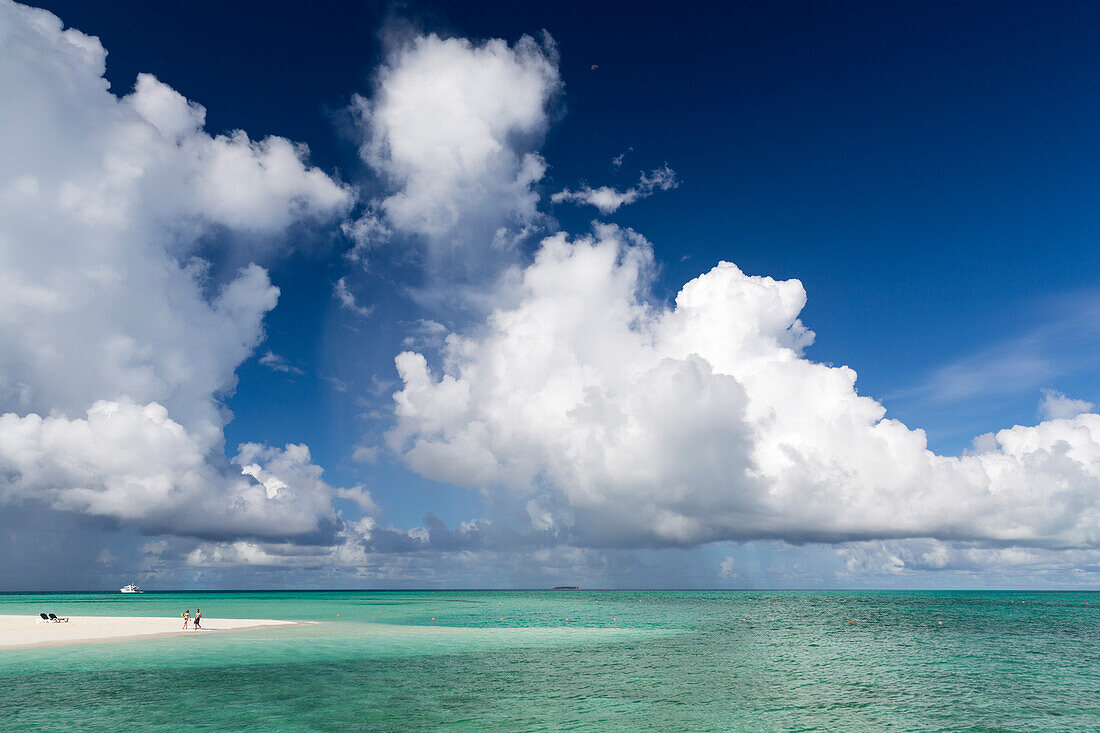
(572, 660)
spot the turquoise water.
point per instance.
(573, 660)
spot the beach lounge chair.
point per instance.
(44, 618)
(55, 619)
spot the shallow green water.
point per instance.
(573, 660)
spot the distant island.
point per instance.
(566, 587)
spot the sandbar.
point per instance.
(30, 631)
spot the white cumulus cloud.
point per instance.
(909, 557)
(133, 463)
(635, 423)
(453, 127)
(117, 341)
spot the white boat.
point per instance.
(130, 589)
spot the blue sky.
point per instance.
(928, 172)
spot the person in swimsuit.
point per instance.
(198, 617)
(186, 617)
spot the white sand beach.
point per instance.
(30, 631)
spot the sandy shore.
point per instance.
(29, 631)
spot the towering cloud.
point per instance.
(453, 128)
(623, 422)
(600, 416)
(117, 341)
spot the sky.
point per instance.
(505, 295)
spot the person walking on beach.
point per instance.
(198, 617)
(186, 617)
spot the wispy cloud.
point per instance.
(347, 300)
(608, 199)
(1056, 405)
(359, 496)
(277, 363)
(367, 233)
(337, 384)
(365, 454)
(1065, 344)
(425, 333)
